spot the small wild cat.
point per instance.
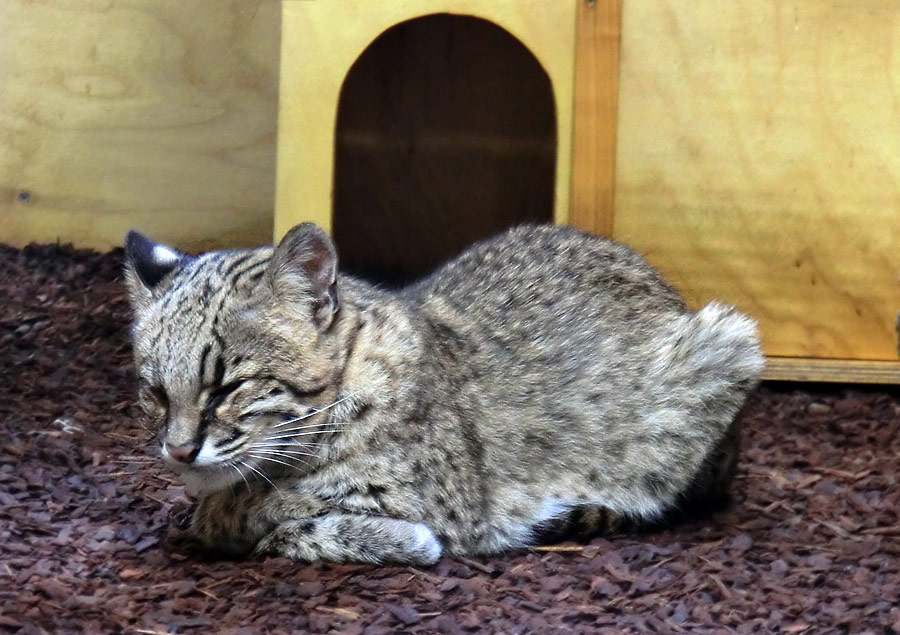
(542, 372)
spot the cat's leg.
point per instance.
(710, 488)
(302, 527)
(233, 522)
(343, 537)
(708, 491)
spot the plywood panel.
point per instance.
(759, 162)
(316, 55)
(156, 114)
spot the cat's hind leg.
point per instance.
(342, 537)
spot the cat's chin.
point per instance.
(200, 483)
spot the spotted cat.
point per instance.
(542, 376)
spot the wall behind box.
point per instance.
(159, 115)
(758, 149)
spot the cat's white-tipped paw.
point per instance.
(426, 543)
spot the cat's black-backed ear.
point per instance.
(151, 262)
(146, 263)
(303, 272)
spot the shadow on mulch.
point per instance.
(90, 525)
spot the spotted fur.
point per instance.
(542, 378)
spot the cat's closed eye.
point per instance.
(216, 397)
(154, 400)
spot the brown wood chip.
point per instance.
(91, 527)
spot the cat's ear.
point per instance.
(303, 272)
(146, 263)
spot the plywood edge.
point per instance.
(832, 370)
(599, 29)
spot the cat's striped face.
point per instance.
(231, 367)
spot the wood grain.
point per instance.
(153, 114)
(759, 163)
(316, 58)
(596, 115)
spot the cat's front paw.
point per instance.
(221, 525)
(292, 539)
(233, 523)
(352, 538)
(426, 548)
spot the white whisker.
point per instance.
(244, 463)
(314, 425)
(316, 411)
(241, 474)
(281, 434)
(280, 447)
(283, 452)
(287, 444)
(317, 425)
(269, 458)
(298, 434)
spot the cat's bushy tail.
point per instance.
(716, 354)
(720, 360)
(705, 367)
(678, 455)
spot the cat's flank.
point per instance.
(541, 373)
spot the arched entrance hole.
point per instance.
(446, 133)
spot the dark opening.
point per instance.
(446, 133)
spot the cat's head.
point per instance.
(234, 353)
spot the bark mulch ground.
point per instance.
(91, 527)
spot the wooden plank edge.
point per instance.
(597, 42)
(832, 370)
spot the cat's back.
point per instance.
(536, 278)
(541, 328)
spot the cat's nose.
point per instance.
(185, 453)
